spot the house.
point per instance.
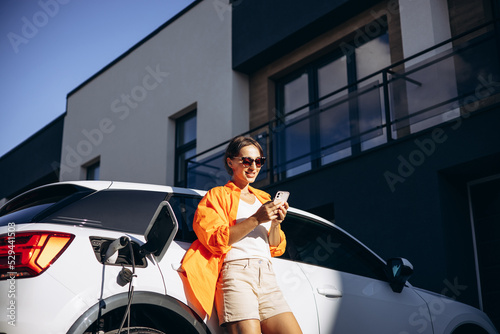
(381, 116)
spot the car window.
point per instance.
(184, 208)
(39, 203)
(120, 210)
(314, 243)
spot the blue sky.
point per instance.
(49, 47)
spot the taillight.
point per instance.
(28, 254)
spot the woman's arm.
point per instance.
(267, 212)
(275, 230)
(211, 222)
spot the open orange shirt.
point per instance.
(203, 260)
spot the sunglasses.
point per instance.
(247, 161)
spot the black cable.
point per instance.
(130, 293)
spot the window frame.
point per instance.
(93, 170)
(311, 69)
(362, 254)
(182, 212)
(182, 149)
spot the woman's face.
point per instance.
(244, 175)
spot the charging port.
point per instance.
(100, 246)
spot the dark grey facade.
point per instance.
(266, 30)
(430, 196)
(34, 162)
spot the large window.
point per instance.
(184, 208)
(327, 111)
(185, 145)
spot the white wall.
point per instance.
(124, 115)
(426, 23)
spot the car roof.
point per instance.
(98, 185)
(101, 185)
(121, 185)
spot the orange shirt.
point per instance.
(203, 260)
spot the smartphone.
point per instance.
(281, 196)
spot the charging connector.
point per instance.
(112, 252)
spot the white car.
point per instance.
(97, 256)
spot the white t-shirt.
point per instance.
(256, 243)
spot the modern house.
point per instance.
(381, 116)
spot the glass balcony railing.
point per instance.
(445, 83)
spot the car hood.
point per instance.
(447, 314)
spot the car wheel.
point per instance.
(469, 328)
(136, 330)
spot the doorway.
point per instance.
(484, 203)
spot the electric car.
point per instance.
(100, 256)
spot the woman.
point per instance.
(238, 229)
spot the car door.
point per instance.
(349, 284)
(291, 279)
(298, 293)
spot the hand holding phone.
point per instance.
(281, 197)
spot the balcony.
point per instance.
(442, 85)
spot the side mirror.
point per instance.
(398, 271)
(160, 232)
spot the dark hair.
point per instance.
(234, 147)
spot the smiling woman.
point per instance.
(239, 230)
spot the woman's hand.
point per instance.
(281, 210)
(270, 211)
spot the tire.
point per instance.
(136, 330)
(468, 329)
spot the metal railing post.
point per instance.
(387, 108)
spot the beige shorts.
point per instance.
(247, 289)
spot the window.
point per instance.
(38, 203)
(184, 208)
(118, 210)
(185, 145)
(317, 244)
(326, 113)
(93, 171)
